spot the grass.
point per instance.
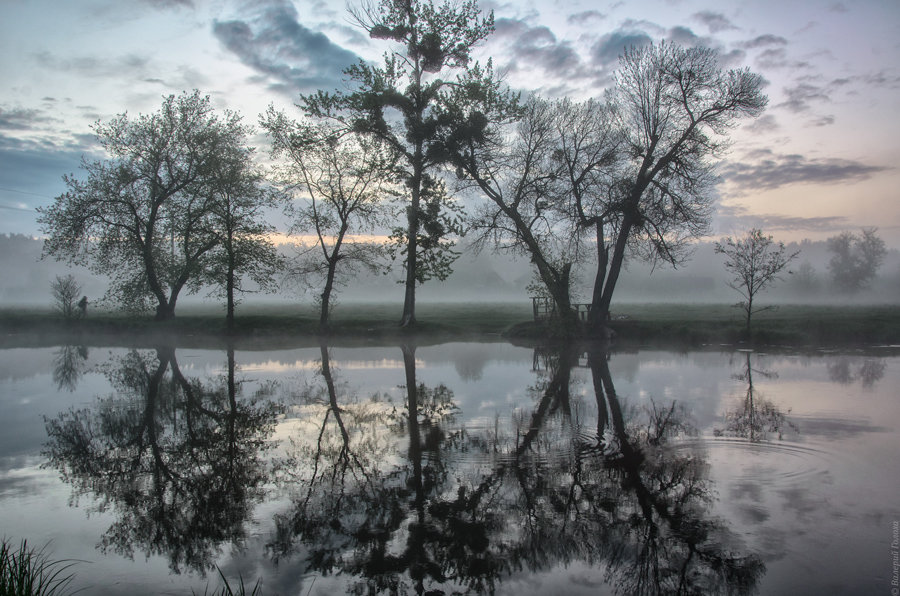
(285, 325)
(25, 571)
(239, 590)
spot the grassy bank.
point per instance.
(644, 324)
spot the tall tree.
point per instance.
(346, 182)
(674, 106)
(239, 201)
(756, 262)
(400, 103)
(855, 258)
(142, 216)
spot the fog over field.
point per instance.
(488, 277)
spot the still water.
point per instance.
(455, 468)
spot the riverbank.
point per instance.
(287, 325)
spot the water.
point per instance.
(471, 467)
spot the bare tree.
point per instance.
(855, 258)
(345, 181)
(755, 261)
(65, 295)
(674, 106)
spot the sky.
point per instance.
(821, 159)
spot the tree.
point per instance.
(143, 215)
(855, 259)
(630, 174)
(401, 104)
(65, 294)
(517, 172)
(346, 180)
(238, 202)
(673, 106)
(756, 262)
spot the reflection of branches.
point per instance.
(457, 510)
(846, 370)
(68, 366)
(177, 460)
(756, 417)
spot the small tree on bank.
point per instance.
(755, 261)
(65, 295)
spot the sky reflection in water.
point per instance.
(455, 467)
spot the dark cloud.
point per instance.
(278, 46)
(612, 45)
(536, 48)
(585, 17)
(715, 21)
(21, 118)
(770, 171)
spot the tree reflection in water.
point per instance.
(178, 461)
(69, 363)
(460, 510)
(756, 418)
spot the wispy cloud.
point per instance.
(715, 21)
(277, 45)
(585, 17)
(770, 171)
(738, 217)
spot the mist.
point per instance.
(483, 276)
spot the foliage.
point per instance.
(29, 572)
(855, 259)
(65, 295)
(756, 262)
(402, 102)
(142, 216)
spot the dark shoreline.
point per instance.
(684, 326)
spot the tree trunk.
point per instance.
(615, 266)
(229, 297)
(596, 317)
(412, 249)
(326, 293)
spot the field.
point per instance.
(634, 324)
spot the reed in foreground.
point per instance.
(26, 571)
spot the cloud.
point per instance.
(585, 17)
(715, 21)
(21, 118)
(738, 217)
(612, 45)
(94, 67)
(762, 41)
(276, 45)
(537, 47)
(773, 171)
